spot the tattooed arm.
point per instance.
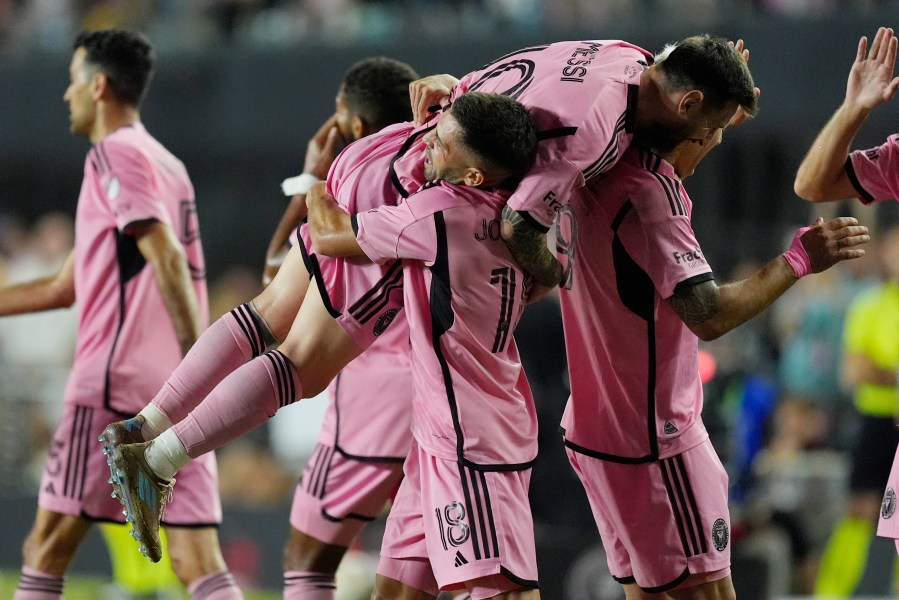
(528, 246)
(710, 310)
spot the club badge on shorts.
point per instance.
(720, 535)
(889, 504)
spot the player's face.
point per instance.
(445, 157)
(689, 153)
(82, 107)
(707, 124)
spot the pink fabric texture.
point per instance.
(245, 399)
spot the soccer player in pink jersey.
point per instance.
(461, 518)
(357, 463)
(590, 99)
(637, 296)
(830, 171)
(137, 273)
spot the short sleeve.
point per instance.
(546, 189)
(875, 172)
(397, 232)
(130, 185)
(662, 240)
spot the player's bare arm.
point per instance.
(710, 310)
(321, 151)
(822, 175)
(330, 227)
(47, 293)
(426, 92)
(528, 246)
(160, 247)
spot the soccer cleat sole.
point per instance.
(151, 551)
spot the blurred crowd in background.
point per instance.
(27, 25)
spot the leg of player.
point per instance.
(310, 566)
(235, 338)
(315, 350)
(722, 589)
(48, 550)
(198, 562)
(391, 589)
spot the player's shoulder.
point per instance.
(652, 185)
(438, 195)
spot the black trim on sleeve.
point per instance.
(691, 281)
(354, 223)
(864, 196)
(131, 225)
(532, 221)
(555, 133)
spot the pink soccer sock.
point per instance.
(306, 585)
(218, 586)
(245, 399)
(228, 343)
(35, 585)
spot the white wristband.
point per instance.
(299, 185)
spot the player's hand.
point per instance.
(323, 148)
(828, 243)
(740, 116)
(871, 81)
(426, 92)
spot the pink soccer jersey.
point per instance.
(583, 97)
(463, 297)
(635, 389)
(875, 172)
(363, 297)
(127, 345)
(371, 399)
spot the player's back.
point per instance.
(635, 392)
(582, 96)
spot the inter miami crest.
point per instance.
(384, 321)
(889, 504)
(720, 535)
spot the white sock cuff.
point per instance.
(156, 421)
(166, 455)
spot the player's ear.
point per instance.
(690, 101)
(474, 176)
(99, 85)
(359, 128)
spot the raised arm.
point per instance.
(56, 291)
(822, 175)
(527, 243)
(320, 154)
(711, 310)
(330, 227)
(159, 245)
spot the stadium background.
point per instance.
(240, 87)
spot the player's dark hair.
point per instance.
(377, 89)
(125, 57)
(710, 65)
(498, 129)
